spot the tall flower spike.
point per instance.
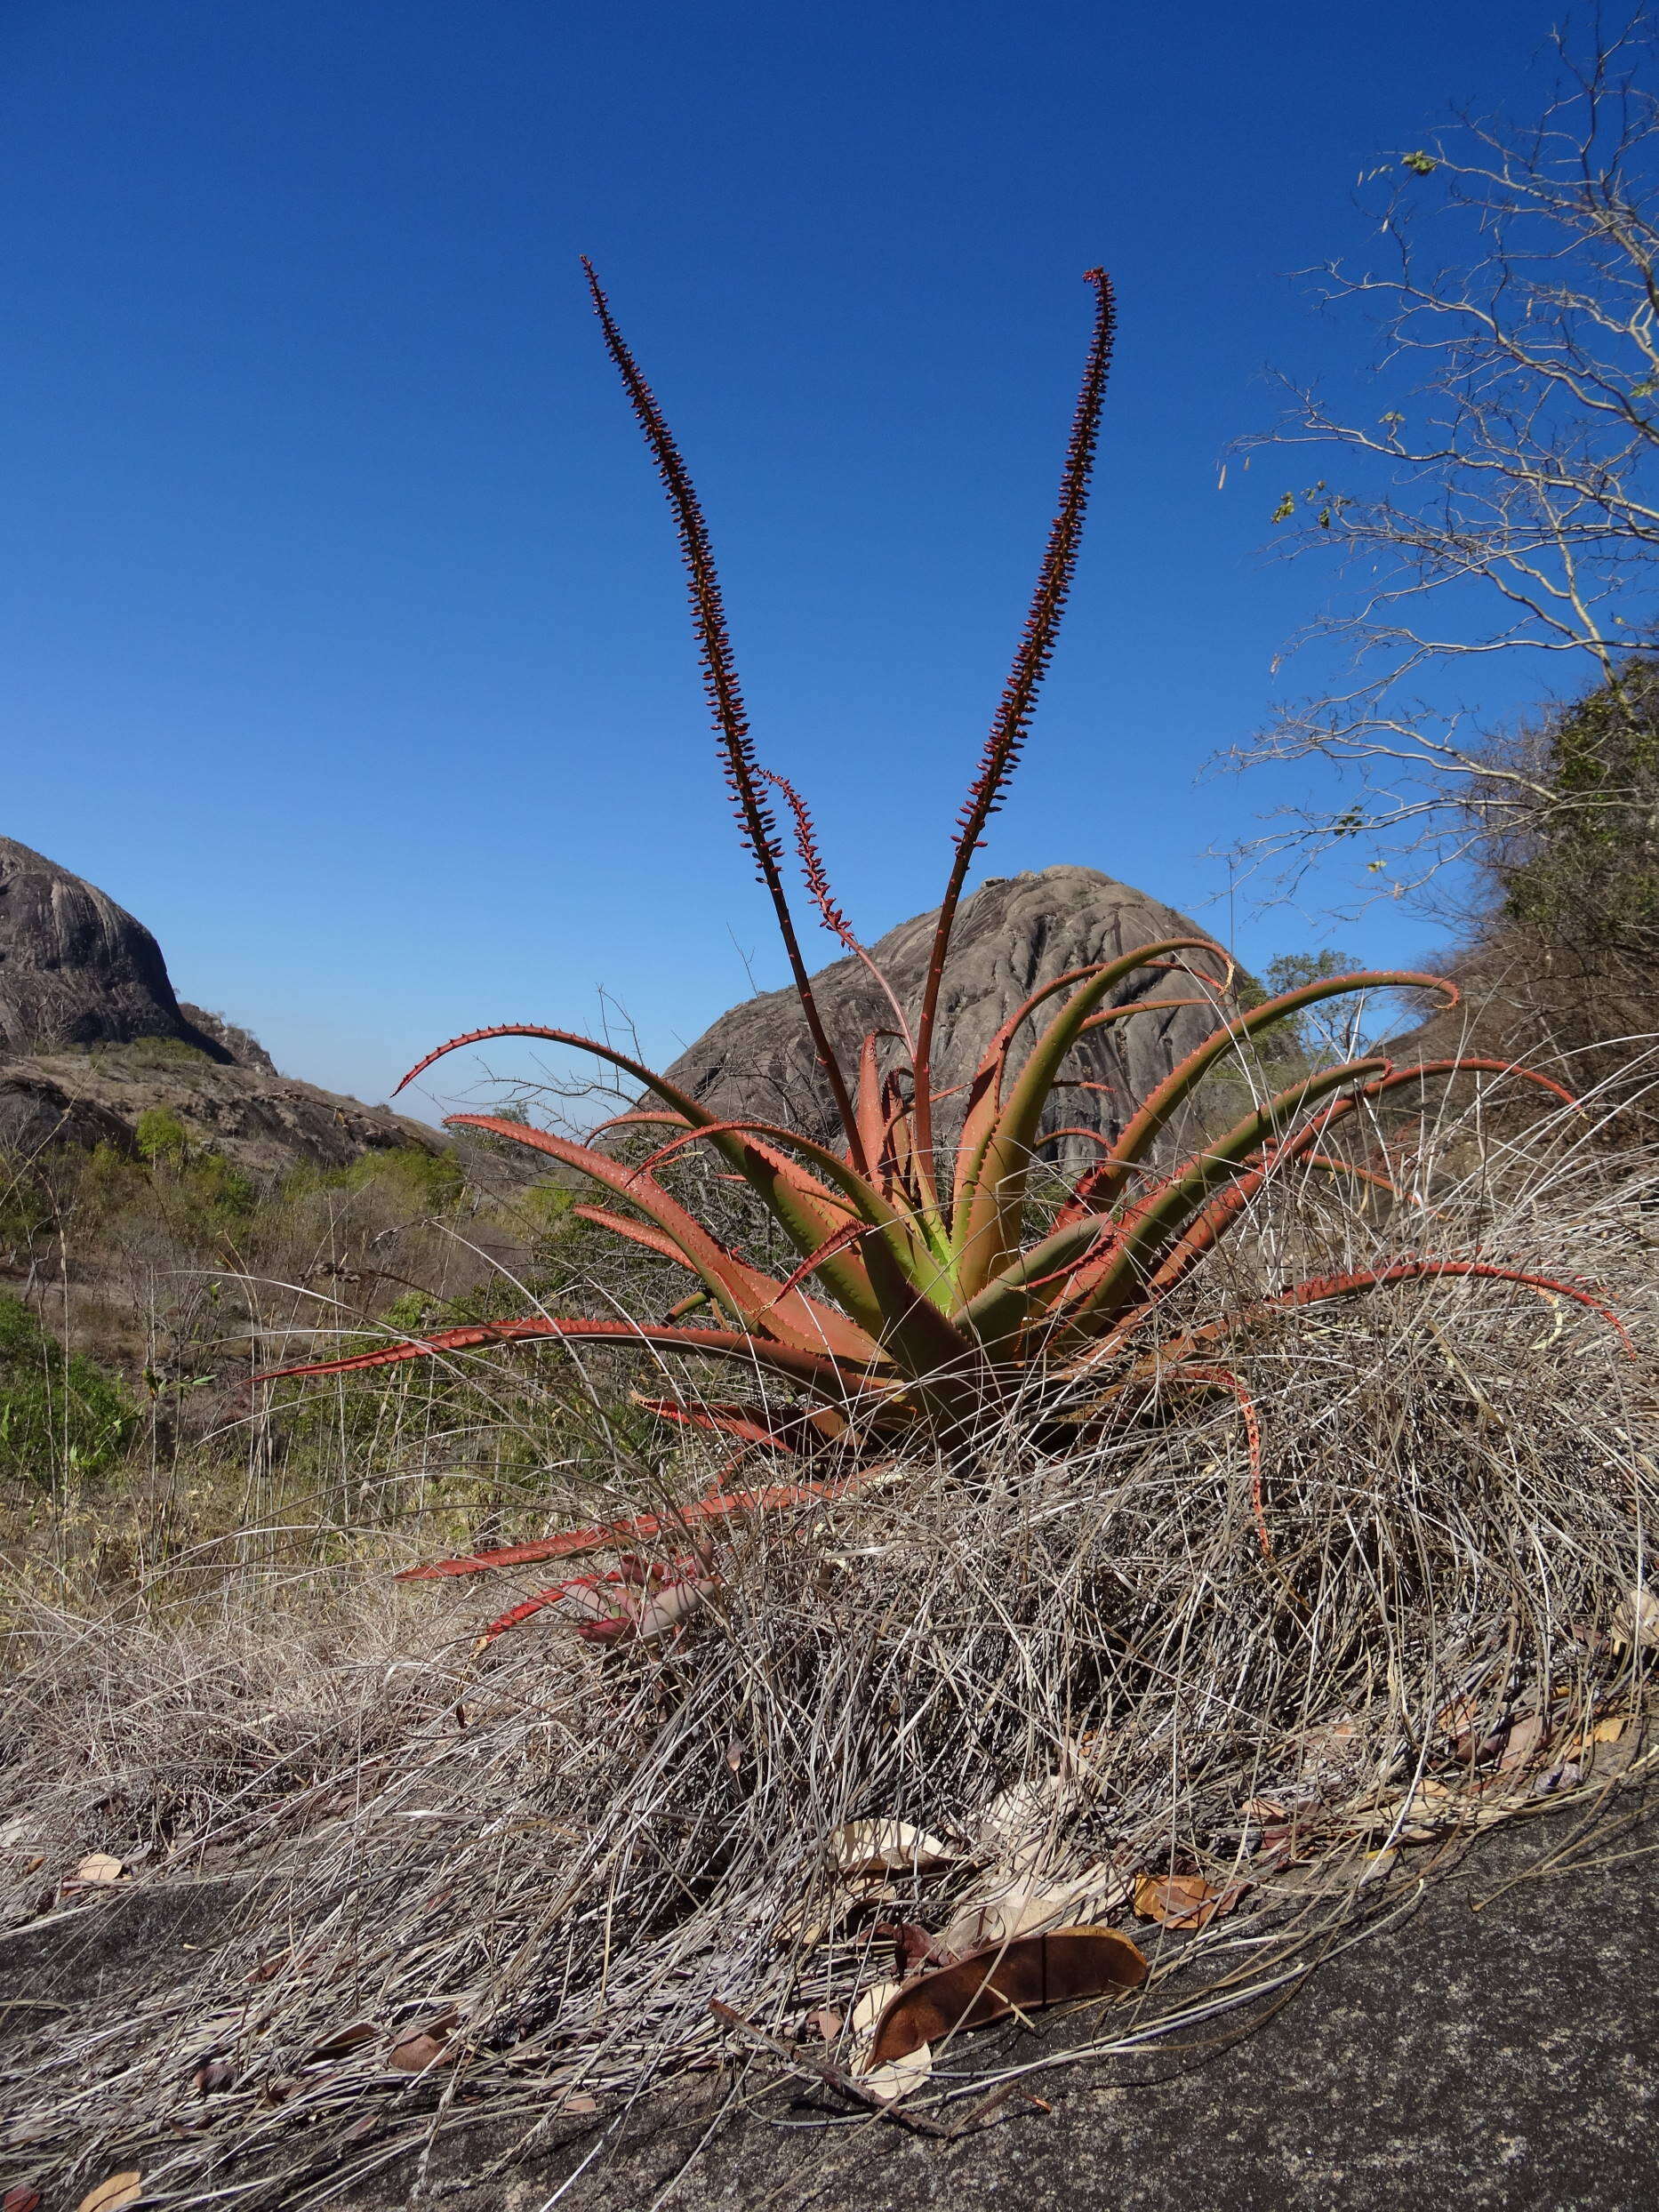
(725, 698)
(1009, 728)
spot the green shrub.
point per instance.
(162, 1138)
(57, 1414)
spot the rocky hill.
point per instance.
(92, 1036)
(1013, 933)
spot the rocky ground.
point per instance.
(1493, 2048)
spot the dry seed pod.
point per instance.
(1035, 1971)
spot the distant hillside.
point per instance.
(93, 1037)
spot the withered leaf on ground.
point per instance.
(1266, 1810)
(1181, 1900)
(422, 2043)
(413, 2053)
(99, 1867)
(1027, 1904)
(870, 2007)
(886, 1847)
(215, 2074)
(911, 1941)
(895, 2078)
(1526, 1738)
(1025, 1974)
(1637, 1619)
(341, 2042)
(20, 2198)
(110, 2195)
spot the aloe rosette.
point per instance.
(922, 1293)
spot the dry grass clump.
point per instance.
(493, 1889)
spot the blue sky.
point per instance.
(342, 636)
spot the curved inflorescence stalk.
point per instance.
(743, 773)
(1030, 664)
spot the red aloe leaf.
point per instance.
(641, 1528)
(1156, 1223)
(1102, 1185)
(818, 1370)
(636, 1232)
(831, 1246)
(1224, 1210)
(748, 1295)
(1143, 1005)
(1334, 1166)
(991, 1194)
(1469, 1064)
(782, 1430)
(809, 1322)
(1076, 1129)
(902, 1270)
(868, 1102)
(539, 1603)
(985, 1089)
(1224, 1379)
(639, 1118)
(1319, 1288)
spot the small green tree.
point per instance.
(1583, 872)
(161, 1137)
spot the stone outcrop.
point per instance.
(264, 1122)
(77, 969)
(92, 1036)
(1015, 933)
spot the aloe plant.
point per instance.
(923, 1293)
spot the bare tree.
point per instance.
(1504, 500)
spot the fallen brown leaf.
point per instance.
(1526, 1738)
(98, 1866)
(895, 2078)
(20, 2198)
(341, 2042)
(413, 2053)
(870, 2007)
(911, 1941)
(1023, 1976)
(215, 2074)
(825, 2023)
(1637, 1619)
(886, 1847)
(1610, 1730)
(580, 2102)
(1181, 1900)
(1026, 1907)
(110, 2195)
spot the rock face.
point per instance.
(92, 1036)
(77, 969)
(262, 1122)
(1014, 934)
